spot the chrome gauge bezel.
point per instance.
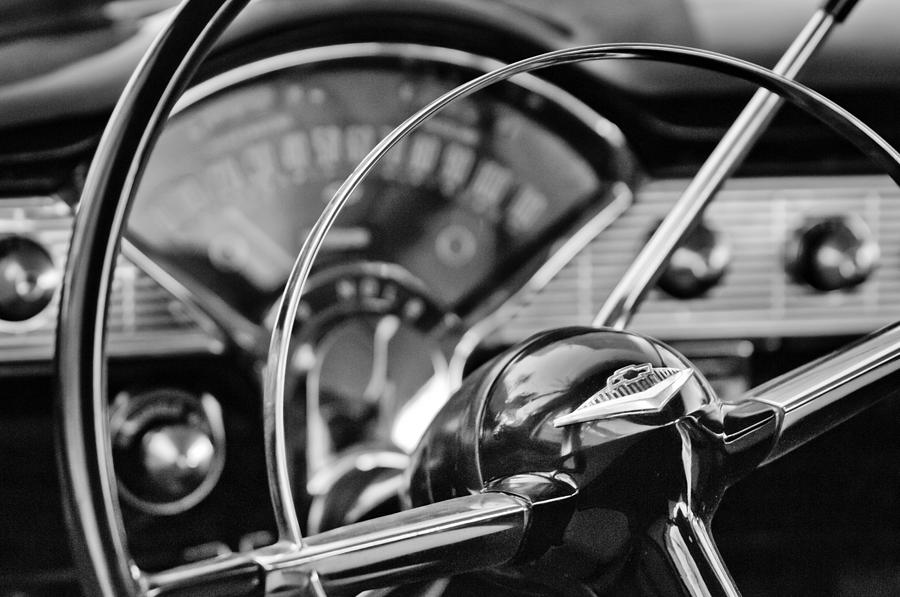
(617, 170)
(244, 73)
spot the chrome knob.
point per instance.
(697, 265)
(168, 448)
(832, 253)
(176, 459)
(27, 278)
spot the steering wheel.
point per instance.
(576, 439)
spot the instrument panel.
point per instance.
(248, 161)
(251, 156)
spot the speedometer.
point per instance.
(248, 160)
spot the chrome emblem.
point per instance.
(631, 390)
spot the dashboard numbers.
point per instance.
(241, 173)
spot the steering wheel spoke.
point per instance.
(792, 409)
(693, 554)
(470, 533)
(235, 575)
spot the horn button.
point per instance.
(519, 414)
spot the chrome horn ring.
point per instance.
(99, 537)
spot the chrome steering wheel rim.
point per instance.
(89, 482)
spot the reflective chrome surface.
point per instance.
(469, 533)
(202, 303)
(822, 394)
(647, 482)
(650, 263)
(692, 551)
(501, 422)
(355, 486)
(756, 298)
(620, 397)
(833, 253)
(144, 318)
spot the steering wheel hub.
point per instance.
(504, 420)
(629, 467)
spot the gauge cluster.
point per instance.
(250, 158)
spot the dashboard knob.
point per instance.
(168, 448)
(176, 459)
(27, 278)
(832, 253)
(697, 265)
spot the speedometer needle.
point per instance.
(385, 330)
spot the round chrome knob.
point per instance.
(27, 278)
(832, 253)
(176, 459)
(697, 265)
(168, 448)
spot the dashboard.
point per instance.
(515, 210)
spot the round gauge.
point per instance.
(369, 367)
(249, 159)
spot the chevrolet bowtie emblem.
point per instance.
(631, 390)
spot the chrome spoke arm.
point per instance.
(460, 535)
(233, 575)
(648, 266)
(798, 406)
(250, 337)
(693, 555)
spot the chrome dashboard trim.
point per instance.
(20, 224)
(47, 220)
(757, 298)
(367, 50)
(212, 409)
(754, 119)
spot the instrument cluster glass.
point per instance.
(248, 161)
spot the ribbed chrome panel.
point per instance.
(144, 319)
(756, 298)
